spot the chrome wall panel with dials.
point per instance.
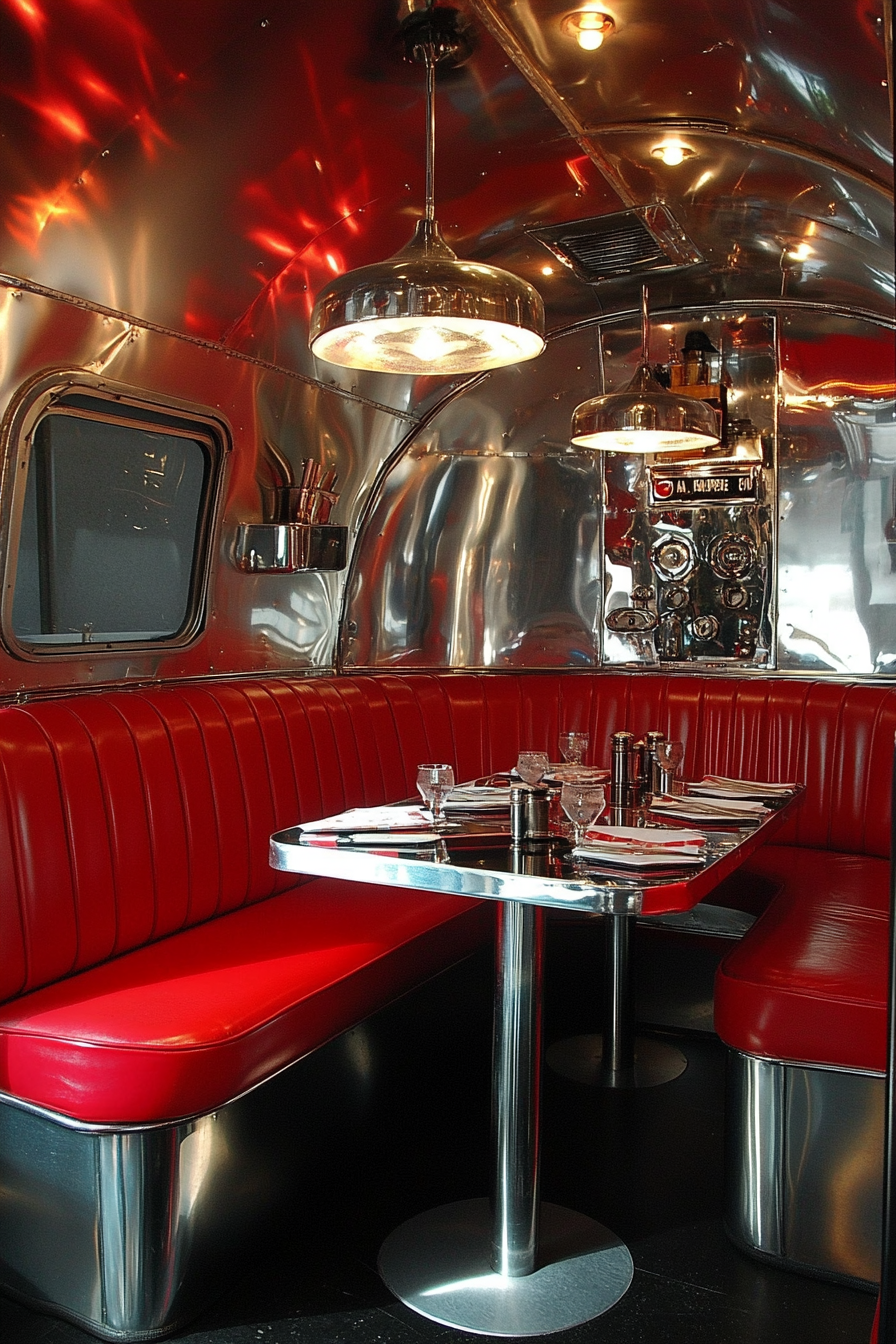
(689, 540)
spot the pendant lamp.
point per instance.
(424, 311)
(644, 417)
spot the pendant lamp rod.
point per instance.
(430, 61)
(424, 311)
(645, 328)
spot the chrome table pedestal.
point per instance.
(509, 1266)
(618, 1058)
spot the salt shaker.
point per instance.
(620, 777)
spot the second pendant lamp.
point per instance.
(424, 311)
(644, 417)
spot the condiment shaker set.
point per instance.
(637, 771)
(529, 813)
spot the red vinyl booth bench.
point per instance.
(160, 983)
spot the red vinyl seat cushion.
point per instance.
(808, 984)
(185, 1024)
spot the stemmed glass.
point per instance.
(433, 782)
(670, 755)
(583, 803)
(531, 766)
(573, 746)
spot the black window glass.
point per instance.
(109, 532)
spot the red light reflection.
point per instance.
(64, 107)
(576, 169)
(30, 14)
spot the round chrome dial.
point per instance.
(731, 557)
(673, 557)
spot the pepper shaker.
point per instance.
(654, 770)
(620, 777)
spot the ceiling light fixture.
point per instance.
(672, 152)
(424, 311)
(589, 27)
(644, 417)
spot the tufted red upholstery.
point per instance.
(132, 821)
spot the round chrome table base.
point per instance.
(439, 1263)
(581, 1059)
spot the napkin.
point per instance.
(478, 798)
(645, 837)
(371, 819)
(741, 810)
(642, 846)
(718, 786)
(560, 773)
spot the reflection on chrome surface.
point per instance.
(837, 496)
(482, 547)
(491, 543)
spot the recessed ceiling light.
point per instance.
(672, 152)
(589, 27)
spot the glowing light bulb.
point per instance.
(430, 346)
(589, 27)
(589, 39)
(672, 152)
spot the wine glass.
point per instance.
(573, 746)
(582, 802)
(433, 782)
(531, 766)
(670, 755)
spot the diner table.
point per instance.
(513, 1265)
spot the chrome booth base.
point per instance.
(439, 1263)
(131, 1232)
(804, 1167)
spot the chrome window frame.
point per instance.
(48, 394)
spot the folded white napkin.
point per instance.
(645, 837)
(478, 798)
(373, 819)
(718, 786)
(642, 846)
(708, 809)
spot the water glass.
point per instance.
(573, 746)
(433, 783)
(531, 766)
(670, 755)
(583, 803)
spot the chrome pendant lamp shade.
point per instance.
(644, 417)
(424, 310)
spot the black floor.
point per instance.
(647, 1163)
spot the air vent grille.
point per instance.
(612, 247)
(627, 243)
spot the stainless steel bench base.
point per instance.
(804, 1155)
(131, 1232)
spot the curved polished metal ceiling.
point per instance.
(208, 167)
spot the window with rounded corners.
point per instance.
(112, 507)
